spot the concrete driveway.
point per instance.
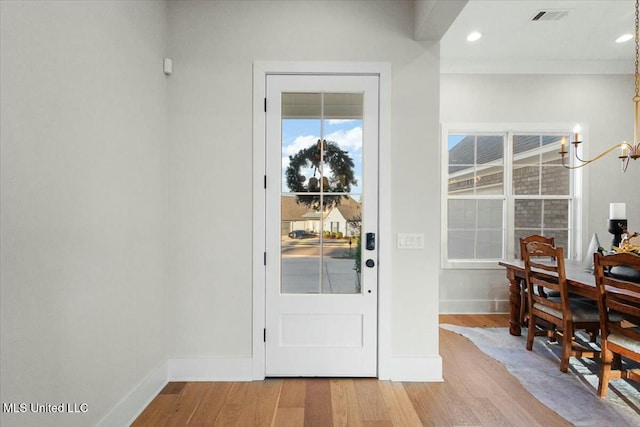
(302, 267)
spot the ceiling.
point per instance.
(581, 42)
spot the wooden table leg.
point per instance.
(514, 303)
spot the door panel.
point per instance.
(321, 300)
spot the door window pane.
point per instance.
(322, 179)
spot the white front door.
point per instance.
(321, 225)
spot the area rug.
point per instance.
(571, 395)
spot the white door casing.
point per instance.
(262, 69)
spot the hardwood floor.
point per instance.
(476, 391)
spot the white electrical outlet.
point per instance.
(410, 241)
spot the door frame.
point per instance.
(260, 71)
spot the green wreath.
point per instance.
(339, 181)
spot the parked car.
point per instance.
(300, 234)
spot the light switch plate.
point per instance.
(410, 241)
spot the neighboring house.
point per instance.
(479, 171)
(539, 183)
(344, 218)
(296, 216)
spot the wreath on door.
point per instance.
(334, 168)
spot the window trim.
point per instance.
(577, 202)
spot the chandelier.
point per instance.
(627, 150)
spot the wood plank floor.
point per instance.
(477, 391)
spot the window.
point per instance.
(499, 185)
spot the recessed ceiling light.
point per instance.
(474, 36)
(624, 38)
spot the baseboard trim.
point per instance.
(211, 369)
(463, 306)
(417, 369)
(132, 405)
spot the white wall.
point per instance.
(84, 205)
(602, 103)
(214, 45)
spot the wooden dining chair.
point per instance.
(524, 299)
(618, 339)
(544, 267)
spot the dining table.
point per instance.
(579, 281)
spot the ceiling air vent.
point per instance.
(550, 15)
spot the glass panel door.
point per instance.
(321, 295)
